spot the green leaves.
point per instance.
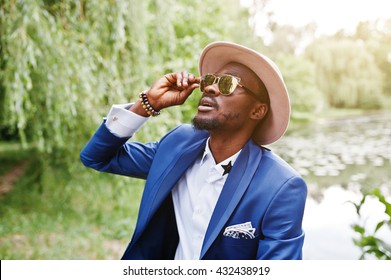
(370, 243)
(64, 63)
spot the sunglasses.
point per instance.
(226, 83)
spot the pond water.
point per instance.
(339, 159)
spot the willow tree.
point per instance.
(346, 73)
(63, 63)
(377, 35)
(300, 79)
(60, 62)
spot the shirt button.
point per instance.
(114, 118)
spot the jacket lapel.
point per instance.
(237, 183)
(173, 174)
(161, 187)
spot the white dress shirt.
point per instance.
(196, 193)
(195, 197)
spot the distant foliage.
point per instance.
(347, 73)
(60, 64)
(369, 242)
(300, 79)
(376, 35)
(63, 63)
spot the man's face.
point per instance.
(228, 112)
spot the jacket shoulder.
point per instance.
(270, 158)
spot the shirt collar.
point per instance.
(218, 167)
(207, 152)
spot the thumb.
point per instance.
(184, 94)
(190, 89)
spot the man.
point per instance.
(212, 190)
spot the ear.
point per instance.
(259, 111)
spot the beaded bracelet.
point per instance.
(147, 106)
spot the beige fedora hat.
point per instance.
(217, 54)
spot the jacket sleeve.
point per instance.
(109, 153)
(282, 232)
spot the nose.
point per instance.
(212, 89)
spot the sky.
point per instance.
(329, 15)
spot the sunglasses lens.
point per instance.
(227, 84)
(207, 80)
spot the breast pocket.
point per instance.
(239, 248)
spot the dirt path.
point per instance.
(8, 180)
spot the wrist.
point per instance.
(138, 109)
(148, 108)
(153, 101)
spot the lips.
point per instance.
(206, 105)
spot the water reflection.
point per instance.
(328, 224)
(339, 159)
(347, 151)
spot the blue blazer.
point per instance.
(261, 188)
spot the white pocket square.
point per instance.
(240, 231)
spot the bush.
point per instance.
(370, 243)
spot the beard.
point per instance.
(205, 124)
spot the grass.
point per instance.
(11, 153)
(82, 214)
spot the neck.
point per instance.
(223, 147)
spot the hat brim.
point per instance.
(218, 54)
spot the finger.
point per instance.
(189, 90)
(191, 78)
(194, 82)
(179, 79)
(194, 86)
(194, 79)
(185, 78)
(171, 78)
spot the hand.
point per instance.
(172, 89)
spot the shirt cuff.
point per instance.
(122, 122)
